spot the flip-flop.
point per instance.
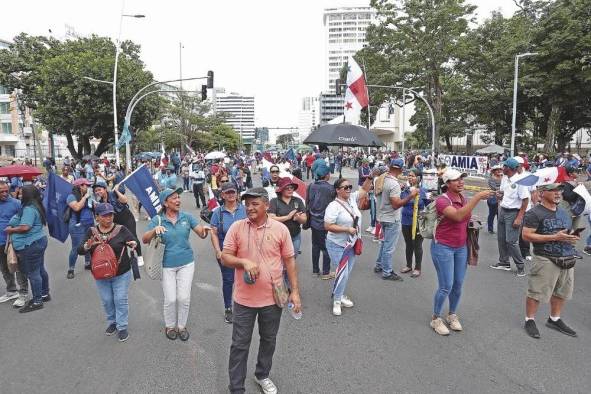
(415, 274)
(405, 270)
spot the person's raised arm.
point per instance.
(460, 214)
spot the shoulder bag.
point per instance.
(153, 255)
(11, 258)
(358, 245)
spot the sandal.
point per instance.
(415, 274)
(184, 335)
(405, 270)
(171, 333)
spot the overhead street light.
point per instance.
(514, 120)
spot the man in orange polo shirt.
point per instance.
(257, 247)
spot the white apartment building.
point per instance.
(344, 35)
(308, 117)
(239, 111)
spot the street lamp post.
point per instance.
(514, 120)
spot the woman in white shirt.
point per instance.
(342, 220)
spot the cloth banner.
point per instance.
(473, 165)
(55, 205)
(142, 185)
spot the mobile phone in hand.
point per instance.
(577, 232)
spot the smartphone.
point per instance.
(577, 232)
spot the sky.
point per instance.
(272, 49)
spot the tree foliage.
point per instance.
(286, 140)
(50, 74)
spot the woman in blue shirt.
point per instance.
(81, 220)
(178, 264)
(29, 242)
(222, 218)
(413, 246)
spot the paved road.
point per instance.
(382, 345)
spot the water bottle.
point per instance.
(293, 313)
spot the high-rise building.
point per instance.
(331, 106)
(344, 35)
(308, 117)
(239, 111)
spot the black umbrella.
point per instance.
(343, 134)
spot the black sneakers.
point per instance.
(184, 335)
(393, 277)
(70, 274)
(46, 298)
(560, 326)
(377, 269)
(228, 315)
(123, 335)
(31, 306)
(111, 329)
(532, 329)
(499, 266)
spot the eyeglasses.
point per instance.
(223, 180)
(348, 187)
(274, 172)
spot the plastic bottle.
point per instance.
(295, 315)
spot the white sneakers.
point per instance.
(346, 302)
(20, 301)
(440, 328)
(370, 229)
(336, 308)
(9, 296)
(267, 385)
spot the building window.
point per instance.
(9, 151)
(4, 90)
(6, 128)
(4, 108)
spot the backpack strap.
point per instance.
(114, 232)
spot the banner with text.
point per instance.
(141, 183)
(473, 165)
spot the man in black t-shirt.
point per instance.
(547, 226)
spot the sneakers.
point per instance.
(499, 266)
(228, 315)
(346, 302)
(87, 267)
(528, 258)
(439, 326)
(377, 269)
(560, 326)
(111, 329)
(31, 306)
(520, 272)
(393, 277)
(336, 308)
(454, 322)
(532, 329)
(415, 274)
(20, 301)
(370, 229)
(11, 295)
(267, 385)
(587, 250)
(184, 335)
(70, 274)
(123, 335)
(46, 298)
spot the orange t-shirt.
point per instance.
(267, 245)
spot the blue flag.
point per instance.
(142, 185)
(290, 155)
(125, 136)
(56, 194)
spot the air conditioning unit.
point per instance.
(27, 130)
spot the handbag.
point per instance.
(363, 203)
(11, 258)
(358, 247)
(153, 256)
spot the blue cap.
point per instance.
(104, 209)
(397, 163)
(322, 170)
(164, 194)
(102, 184)
(511, 163)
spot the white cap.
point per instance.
(519, 159)
(451, 175)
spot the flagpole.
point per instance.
(134, 171)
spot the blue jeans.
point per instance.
(391, 232)
(493, 211)
(31, 262)
(450, 264)
(227, 284)
(297, 243)
(335, 252)
(77, 234)
(114, 293)
(589, 237)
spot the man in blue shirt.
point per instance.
(8, 208)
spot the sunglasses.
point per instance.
(348, 187)
(289, 188)
(274, 172)
(223, 180)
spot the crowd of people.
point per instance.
(256, 235)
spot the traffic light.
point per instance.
(203, 92)
(210, 79)
(337, 87)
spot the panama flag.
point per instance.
(544, 176)
(343, 267)
(356, 95)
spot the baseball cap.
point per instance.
(397, 163)
(451, 175)
(511, 163)
(164, 194)
(519, 159)
(102, 184)
(228, 186)
(104, 209)
(551, 186)
(255, 192)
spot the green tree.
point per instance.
(50, 74)
(286, 140)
